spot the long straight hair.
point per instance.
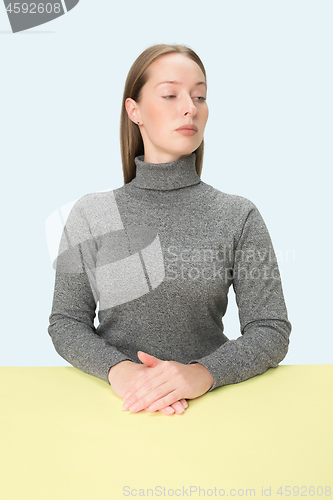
(131, 143)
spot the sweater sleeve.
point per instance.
(71, 323)
(264, 324)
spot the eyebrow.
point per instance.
(179, 83)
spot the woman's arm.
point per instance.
(74, 305)
(72, 327)
(262, 311)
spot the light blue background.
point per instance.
(268, 138)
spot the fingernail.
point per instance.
(126, 405)
(134, 407)
(127, 395)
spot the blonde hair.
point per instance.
(131, 144)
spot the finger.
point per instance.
(164, 393)
(184, 403)
(148, 359)
(168, 410)
(152, 387)
(144, 378)
(150, 397)
(168, 400)
(178, 407)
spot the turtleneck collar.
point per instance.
(165, 176)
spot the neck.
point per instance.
(165, 176)
(157, 159)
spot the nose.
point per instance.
(188, 107)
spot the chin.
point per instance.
(188, 148)
(190, 145)
(182, 150)
(183, 153)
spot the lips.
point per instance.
(188, 127)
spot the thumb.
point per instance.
(148, 360)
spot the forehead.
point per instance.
(174, 67)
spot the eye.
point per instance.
(199, 98)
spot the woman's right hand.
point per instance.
(121, 377)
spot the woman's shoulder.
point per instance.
(227, 201)
(95, 213)
(95, 201)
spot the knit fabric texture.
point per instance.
(155, 259)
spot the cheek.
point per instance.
(158, 122)
(155, 114)
(205, 113)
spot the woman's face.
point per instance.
(164, 107)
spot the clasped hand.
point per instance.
(158, 385)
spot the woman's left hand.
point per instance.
(165, 383)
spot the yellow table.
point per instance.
(64, 436)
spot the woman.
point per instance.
(159, 254)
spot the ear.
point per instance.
(132, 110)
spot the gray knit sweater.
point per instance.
(157, 256)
